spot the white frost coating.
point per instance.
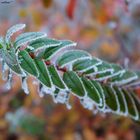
(117, 100)
(125, 103)
(134, 84)
(87, 103)
(30, 47)
(101, 102)
(100, 72)
(8, 84)
(123, 82)
(73, 44)
(24, 85)
(59, 50)
(77, 59)
(66, 88)
(64, 47)
(135, 108)
(46, 46)
(30, 40)
(47, 90)
(25, 71)
(4, 69)
(91, 67)
(40, 91)
(63, 98)
(13, 30)
(111, 75)
(73, 61)
(106, 109)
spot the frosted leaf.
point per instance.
(125, 81)
(71, 56)
(24, 85)
(86, 64)
(26, 38)
(2, 44)
(119, 73)
(133, 85)
(117, 99)
(30, 48)
(13, 30)
(42, 44)
(99, 72)
(125, 103)
(136, 117)
(61, 48)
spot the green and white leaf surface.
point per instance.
(99, 85)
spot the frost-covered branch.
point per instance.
(62, 70)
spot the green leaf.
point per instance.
(42, 43)
(48, 53)
(122, 101)
(74, 83)
(116, 71)
(101, 92)
(132, 110)
(98, 84)
(13, 30)
(2, 44)
(87, 64)
(110, 98)
(92, 91)
(72, 56)
(125, 78)
(25, 38)
(10, 59)
(27, 63)
(137, 103)
(56, 78)
(44, 76)
(104, 68)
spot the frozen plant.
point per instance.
(60, 72)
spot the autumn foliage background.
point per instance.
(108, 29)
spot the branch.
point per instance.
(60, 71)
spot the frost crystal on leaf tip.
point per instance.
(4, 69)
(24, 85)
(87, 103)
(8, 84)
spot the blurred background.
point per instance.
(108, 29)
